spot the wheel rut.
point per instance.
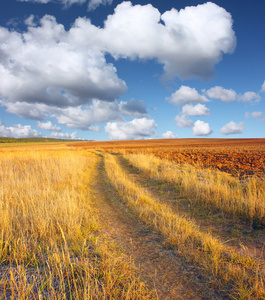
(233, 232)
(158, 267)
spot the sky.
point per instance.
(117, 70)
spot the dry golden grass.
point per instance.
(240, 275)
(50, 244)
(243, 198)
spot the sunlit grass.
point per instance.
(240, 276)
(238, 197)
(50, 246)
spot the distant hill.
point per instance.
(33, 140)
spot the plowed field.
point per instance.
(239, 157)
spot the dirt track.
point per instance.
(159, 267)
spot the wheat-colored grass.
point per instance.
(242, 198)
(241, 276)
(50, 245)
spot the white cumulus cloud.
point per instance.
(222, 94)
(186, 95)
(201, 128)
(135, 129)
(232, 128)
(169, 135)
(18, 131)
(188, 43)
(45, 65)
(195, 110)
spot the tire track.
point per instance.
(233, 232)
(160, 268)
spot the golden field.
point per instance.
(156, 219)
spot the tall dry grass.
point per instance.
(50, 246)
(244, 198)
(240, 277)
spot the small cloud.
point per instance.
(250, 97)
(30, 21)
(195, 110)
(169, 135)
(233, 128)
(186, 95)
(263, 87)
(48, 126)
(93, 4)
(135, 129)
(256, 115)
(183, 122)
(222, 94)
(66, 135)
(201, 128)
(18, 131)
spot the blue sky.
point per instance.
(107, 69)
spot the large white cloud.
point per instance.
(195, 110)
(186, 95)
(135, 129)
(188, 43)
(69, 66)
(201, 128)
(232, 128)
(44, 65)
(222, 94)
